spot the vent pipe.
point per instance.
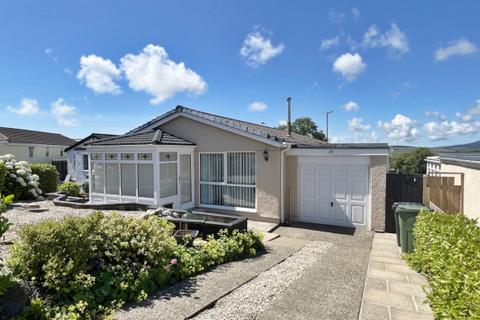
(289, 121)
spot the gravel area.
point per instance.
(19, 216)
(249, 300)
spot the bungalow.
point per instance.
(33, 146)
(187, 158)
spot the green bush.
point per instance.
(86, 267)
(6, 279)
(48, 176)
(447, 251)
(85, 186)
(71, 189)
(3, 175)
(19, 180)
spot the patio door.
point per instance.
(185, 179)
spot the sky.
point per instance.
(402, 72)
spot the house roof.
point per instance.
(14, 135)
(93, 136)
(254, 129)
(153, 137)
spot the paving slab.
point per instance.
(188, 297)
(392, 284)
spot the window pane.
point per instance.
(128, 180)
(185, 178)
(168, 156)
(113, 181)
(127, 156)
(97, 156)
(230, 196)
(98, 178)
(85, 162)
(145, 156)
(145, 180)
(111, 156)
(241, 168)
(168, 179)
(211, 167)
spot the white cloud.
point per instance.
(445, 129)
(257, 49)
(357, 125)
(27, 107)
(51, 53)
(351, 106)
(63, 113)
(434, 114)
(349, 66)
(153, 72)
(355, 12)
(400, 128)
(68, 71)
(282, 122)
(460, 47)
(471, 113)
(329, 43)
(393, 39)
(336, 16)
(99, 74)
(257, 106)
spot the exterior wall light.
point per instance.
(265, 155)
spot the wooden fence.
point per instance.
(444, 192)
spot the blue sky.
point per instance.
(404, 72)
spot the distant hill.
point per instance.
(460, 148)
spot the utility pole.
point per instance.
(327, 114)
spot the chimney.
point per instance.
(289, 121)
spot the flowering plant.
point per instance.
(19, 180)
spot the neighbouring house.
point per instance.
(78, 157)
(465, 169)
(187, 158)
(33, 146)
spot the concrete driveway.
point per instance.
(332, 288)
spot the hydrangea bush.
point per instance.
(19, 179)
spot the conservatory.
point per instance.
(153, 168)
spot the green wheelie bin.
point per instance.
(407, 216)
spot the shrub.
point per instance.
(447, 251)
(71, 189)
(48, 176)
(6, 280)
(85, 186)
(86, 267)
(19, 180)
(3, 175)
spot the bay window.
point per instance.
(228, 179)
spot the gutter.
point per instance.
(282, 184)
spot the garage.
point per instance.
(334, 190)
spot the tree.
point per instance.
(412, 162)
(306, 127)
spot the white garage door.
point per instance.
(334, 194)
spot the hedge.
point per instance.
(71, 189)
(48, 176)
(447, 251)
(3, 175)
(86, 267)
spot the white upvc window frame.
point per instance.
(225, 183)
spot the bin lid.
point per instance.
(411, 207)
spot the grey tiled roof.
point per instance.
(248, 127)
(14, 135)
(154, 137)
(91, 137)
